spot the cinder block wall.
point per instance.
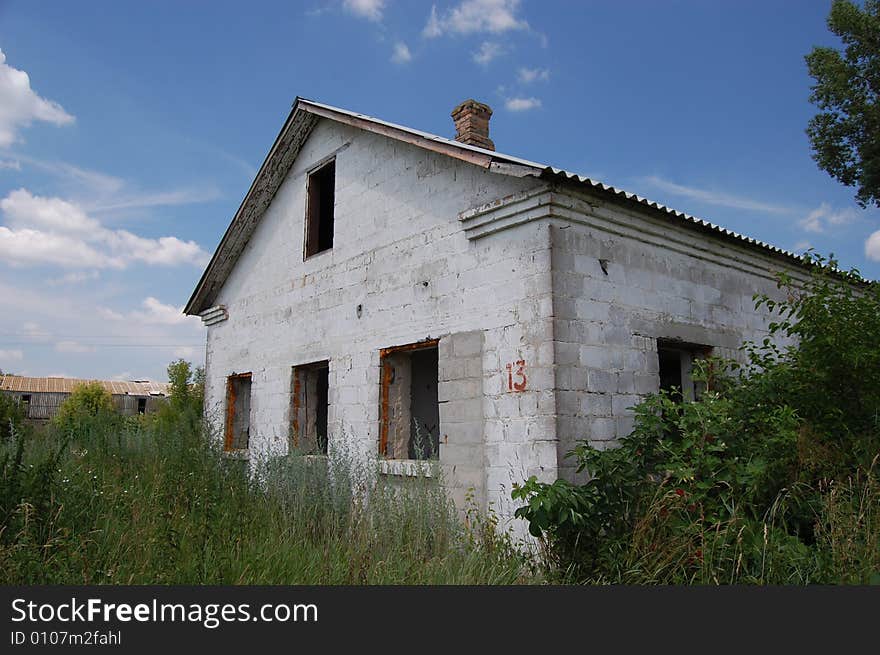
(621, 280)
(399, 253)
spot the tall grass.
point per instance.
(155, 502)
(672, 543)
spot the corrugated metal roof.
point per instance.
(66, 385)
(549, 171)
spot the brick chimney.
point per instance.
(472, 124)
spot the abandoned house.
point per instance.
(406, 296)
(40, 398)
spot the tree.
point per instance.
(845, 135)
(86, 404)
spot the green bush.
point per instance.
(758, 480)
(88, 405)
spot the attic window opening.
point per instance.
(409, 410)
(310, 408)
(238, 410)
(676, 364)
(319, 209)
(142, 405)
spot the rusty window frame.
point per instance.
(296, 396)
(229, 437)
(385, 383)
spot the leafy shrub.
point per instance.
(750, 483)
(89, 404)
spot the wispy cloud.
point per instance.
(872, 247)
(10, 165)
(475, 16)
(158, 199)
(20, 105)
(76, 277)
(522, 104)
(488, 51)
(100, 193)
(824, 216)
(529, 75)
(714, 197)
(88, 181)
(401, 53)
(369, 9)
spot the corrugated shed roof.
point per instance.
(550, 171)
(66, 385)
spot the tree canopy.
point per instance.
(845, 135)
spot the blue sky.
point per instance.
(129, 133)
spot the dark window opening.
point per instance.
(409, 411)
(142, 405)
(676, 360)
(26, 404)
(319, 209)
(310, 407)
(238, 410)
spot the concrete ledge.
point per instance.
(413, 468)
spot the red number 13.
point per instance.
(516, 369)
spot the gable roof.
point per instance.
(303, 117)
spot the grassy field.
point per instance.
(113, 501)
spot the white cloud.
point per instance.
(58, 232)
(529, 75)
(712, 197)
(488, 51)
(801, 246)
(369, 9)
(22, 209)
(522, 104)
(20, 106)
(158, 313)
(154, 312)
(401, 54)
(824, 216)
(475, 16)
(10, 165)
(11, 355)
(872, 247)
